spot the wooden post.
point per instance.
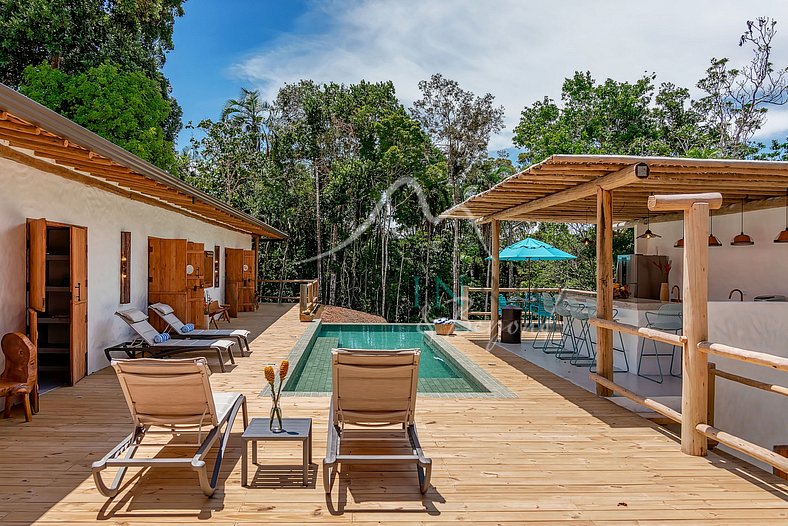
(464, 305)
(694, 403)
(495, 277)
(695, 291)
(604, 287)
(711, 396)
(780, 450)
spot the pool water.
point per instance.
(437, 373)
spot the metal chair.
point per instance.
(546, 314)
(583, 312)
(668, 319)
(622, 350)
(565, 309)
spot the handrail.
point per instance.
(743, 355)
(748, 448)
(308, 300)
(770, 388)
(647, 402)
(644, 332)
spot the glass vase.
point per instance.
(275, 423)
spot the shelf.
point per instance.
(54, 320)
(58, 257)
(47, 368)
(58, 289)
(54, 350)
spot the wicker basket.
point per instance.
(444, 329)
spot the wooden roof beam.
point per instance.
(623, 177)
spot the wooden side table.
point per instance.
(295, 429)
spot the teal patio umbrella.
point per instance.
(530, 249)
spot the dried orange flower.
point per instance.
(283, 367)
(269, 374)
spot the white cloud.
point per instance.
(517, 50)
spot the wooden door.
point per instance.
(234, 277)
(248, 286)
(195, 283)
(37, 265)
(167, 277)
(79, 303)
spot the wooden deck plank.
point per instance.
(554, 454)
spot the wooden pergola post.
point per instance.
(695, 290)
(604, 286)
(495, 277)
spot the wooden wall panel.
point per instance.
(37, 236)
(79, 303)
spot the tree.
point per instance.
(736, 100)
(73, 36)
(460, 125)
(253, 115)
(125, 108)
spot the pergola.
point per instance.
(566, 188)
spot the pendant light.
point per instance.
(713, 241)
(586, 242)
(782, 237)
(742, 239)
(648, 234)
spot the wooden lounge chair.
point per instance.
(20, 375)
(218, 312)
(176, 396)
(371, 389)
(166, 313)
(138, 321)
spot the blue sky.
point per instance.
(210, 38)
(517, 50)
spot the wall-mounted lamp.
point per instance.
(125, 267)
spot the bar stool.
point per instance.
(567, 330)
(582, 313)
(668, 319)
(622, 350)
(546, 314)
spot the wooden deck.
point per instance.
(556, 453)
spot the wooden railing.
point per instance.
(779, 363)
(293, 296)
(466, 291)
(750, 449)
(308, 300)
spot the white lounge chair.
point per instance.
(166, 313)
(176, 396)
(371, 389)
(138, 321)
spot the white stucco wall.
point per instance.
(29, 193)
(757, 269)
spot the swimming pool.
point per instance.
(439, 372)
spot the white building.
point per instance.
(89, 191)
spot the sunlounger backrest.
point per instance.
(374, 386)
(137, 320)
(168, 315)
(171, 392)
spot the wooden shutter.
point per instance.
(195, 284)
(79, 303)
(167, 277)
(37, 265)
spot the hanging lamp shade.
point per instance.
(679, 243)
(782, 237)
(648, 234)
(742, 239)
(713, 241)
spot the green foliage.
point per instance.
(124, 107)
(74, 36)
